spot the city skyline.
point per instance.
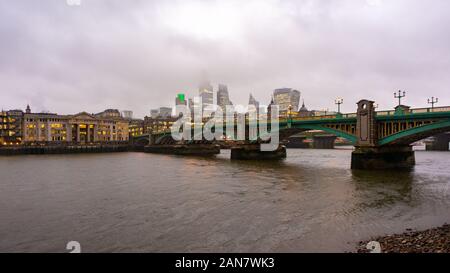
(289, 97)
(160, 49)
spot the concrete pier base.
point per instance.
(324, 141)
(440, 143)
(297, 142)
(253, 152)
(383, 158)
(190, 149)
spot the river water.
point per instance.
(136, 202)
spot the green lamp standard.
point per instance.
(399, 96)
(338, 102)
(433, 101)
(289, 116)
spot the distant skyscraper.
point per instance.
(165, 112)
(223, 98)
(253, 101)
(180, 103)
(206, 92)
(154, 113)
(191, 105)
(269, 107)
(284, 97)
(295, 99)
(127, 114)
(180, 100)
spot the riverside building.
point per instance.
(53, 129)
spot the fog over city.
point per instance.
(137, 55)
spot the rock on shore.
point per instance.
(436, 240)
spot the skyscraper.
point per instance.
(180, 100)
(165, 112)
(127, 114)
(253, 101)
(180, 104)
(206, 92)
(285, 97)
(223, 98)
(191, 105)
(154, 113)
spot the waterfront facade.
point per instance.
(54, 129)
(136, 127)
(158, 125)
(11, 131)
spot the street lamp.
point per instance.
(399, 96)
(338, 102)
(290, 109)
(289, 115)
(433, 101)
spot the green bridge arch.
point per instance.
(338, 133)
(412, 135)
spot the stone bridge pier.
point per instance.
(324, 141)
(297, 142)
(167, 145)
(368, 154)
(253, 152)
(440, 143)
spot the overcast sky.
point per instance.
(138, 54)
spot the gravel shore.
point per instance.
(436, 240)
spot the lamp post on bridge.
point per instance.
(433, 101)
(399, 96)
(338, 102)
(289, 116)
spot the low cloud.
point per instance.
(138, 55)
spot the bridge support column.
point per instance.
(253, 152)
(297, 142)
(151, 139)
(368, 154)
(184, 149)
(388, 157)
(440, 143)
(324, 142)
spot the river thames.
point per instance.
(136, 202)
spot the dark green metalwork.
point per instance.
(431, 120)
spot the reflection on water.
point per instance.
(136, 202)
(383, 188)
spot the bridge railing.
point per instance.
(431, 110)
(416, 111)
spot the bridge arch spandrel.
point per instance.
(285, 133)
(409, 136)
